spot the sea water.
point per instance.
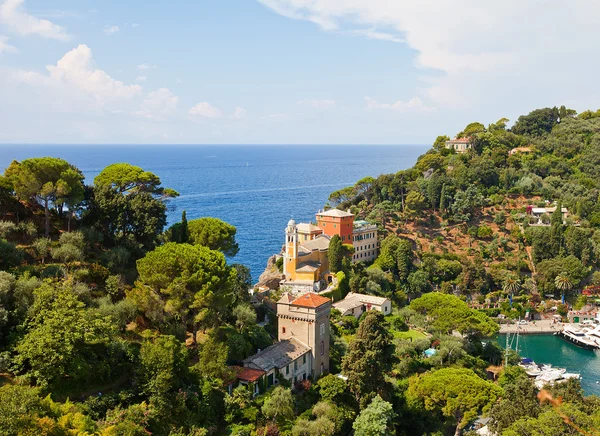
(258, 189)
(561, 354)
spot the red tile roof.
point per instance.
(310, 300)
(459, 140)
(248, 374)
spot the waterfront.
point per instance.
(560, 353)
(255, 188)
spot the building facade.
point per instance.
(459, 145)
(356, 304)
(336, 222)
(364, 239)
(302, 351)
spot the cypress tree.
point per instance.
(335, 254)
(185, 232)
(556, 231)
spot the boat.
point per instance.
(580, 337)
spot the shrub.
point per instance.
(484, 232)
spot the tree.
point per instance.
(563, 283)
(214, 234)
(41, 247)
(415, 202)
(537, 123)
(163, 367)
(20, 409)
(47, 180)
(446, 313)
(511, 285)
(404, 258)
(376, 419)
(369, 358)
(127, 203)
(245, 317)
(194, 283)
(335, 254)
(519, 401)
(280, 405)
(458, 393)
(440, 142)
(62, 338)
(417, 282)
(185, 231)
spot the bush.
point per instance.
(10, 255)
(484, 232)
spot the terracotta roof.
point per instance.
(248, 374)
(458, 141)
(310, 300)
(335, 212)
(308, 228)
(321, 242)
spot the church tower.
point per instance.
(291, 250)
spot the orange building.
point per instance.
(337, 222)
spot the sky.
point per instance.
(287, 71)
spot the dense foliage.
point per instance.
(111, 325)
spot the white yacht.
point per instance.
(584, 338)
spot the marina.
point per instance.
(552, 350)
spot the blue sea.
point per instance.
(256, 188)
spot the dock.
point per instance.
(538, 327)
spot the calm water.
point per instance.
(560, 353)
(256, 188)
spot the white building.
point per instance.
(356, 304)
(459, 145)
(364, 240)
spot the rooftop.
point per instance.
(310, 300)
(308, 267)
(321, 242)
(248, 374)
(308, 228)
(459, 141)
(345, 304)
(335, 213)
(286, 298)
(367, 299)
(278, 355)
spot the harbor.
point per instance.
(555, 351)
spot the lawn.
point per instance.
(410, 334)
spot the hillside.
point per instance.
(466, 214)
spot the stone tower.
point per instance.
(306, 319)
(291, 248)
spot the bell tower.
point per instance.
(291, 250)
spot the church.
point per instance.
(305, 261)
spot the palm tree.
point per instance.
(511, 285)
(563, 283)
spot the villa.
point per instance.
(459, 145)
(356, 304)
(538, 213)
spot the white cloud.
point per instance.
(5, 47)
(415, 104)
(158, 105)
(144, 67)
(140, 79)
(17, 20)
(205, 109)
(110, 30)
(76, 71)
(134, 25)
(239, 113)
(319, 104)
(511, 52)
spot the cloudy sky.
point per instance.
(287, 71)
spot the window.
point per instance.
(295, 365)
(322, 329)
(304, 359)
(283, 330)
(385, 309)
(322, 348)
(287, 369)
